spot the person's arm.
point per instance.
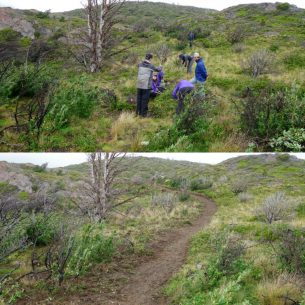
(204, 70)
(156, 69)
(175, 92)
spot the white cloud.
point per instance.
(59, 5)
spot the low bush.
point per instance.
(238, 48)
(258, 63)
(72, 98)
(275, 207)
(291, 250)
(201, 184)
(244, 197)
(239, 186)
(295, 61)
(266, 113)
(237, 35)
(27, 81)
(41, 229)
(184, 196)
(292, 140)
(8, 34)
(164, 200)
(92, 247)
(283, 6)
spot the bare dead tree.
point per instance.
(162, 51)
(58, 254)
(101, 16)
(107, 189)
(10, 218)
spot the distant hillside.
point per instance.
(29, 177)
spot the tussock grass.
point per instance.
(284, 287)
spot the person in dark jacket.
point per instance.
(182, 89)
(191, 38)
(144, 84)
(187, 61)
(201, 73)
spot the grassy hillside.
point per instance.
(243, 257)
(90, 111)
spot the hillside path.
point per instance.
(145, 284)
(139, 283)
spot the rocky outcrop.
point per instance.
(10, 18)
(13, 176)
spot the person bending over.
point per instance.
(182, 89)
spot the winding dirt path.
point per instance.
(137, 282)
(145, 284)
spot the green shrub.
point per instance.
(41, 229)
(237, 34)
(239, 186)
(27, 82)
(283, 6)
(184, 196)
(75, 98)
(292, 140)
(201, 184)
(8, 34)
(176, 182)
(92, 247)
(40, 168)
(43, 15)
(295, 61)
(291, 250)
(267, 113)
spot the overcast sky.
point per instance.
(60, 5)
(63, 159)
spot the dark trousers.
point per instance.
(181, 96)
(142, 102)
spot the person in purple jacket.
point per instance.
(182, 89)
(156, 86)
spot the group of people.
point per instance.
(151, 82)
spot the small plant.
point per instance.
(258, 63)
(41, 229)
(292, 140)
(201, 184)
(239, 186)
(164, 200)
(184, 196)
(274, 208)
(236, 35)
(91, 247)
(291, 251)
(238, 48)
(244, 197)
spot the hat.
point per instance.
(148, 56)
(196, 54)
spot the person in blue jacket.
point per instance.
(201, 73)
(182, 89)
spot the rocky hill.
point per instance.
(65, 181)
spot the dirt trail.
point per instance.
(140, 281)
(144, 285)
